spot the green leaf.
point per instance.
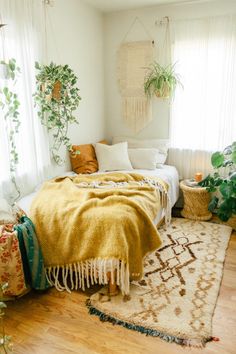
(232, 177)
(233, 157)
(213, 204)
(234, 146)
(217, 159)
(226, 189)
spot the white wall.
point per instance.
(75, 36)
(116, 27)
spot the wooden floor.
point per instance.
(53, 323)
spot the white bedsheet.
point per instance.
(168, 173)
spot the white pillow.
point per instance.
(143, 158)
(160, 144)
(113, 157)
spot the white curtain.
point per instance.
(21, 39)
(188, 162)
(203, 114)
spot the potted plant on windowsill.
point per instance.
(57, 97)
(161, 81)
(223, 184)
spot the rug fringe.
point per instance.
(83, 274)
(193, 343)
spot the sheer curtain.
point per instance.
(20, 39)
(203, 114)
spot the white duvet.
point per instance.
(168, 173)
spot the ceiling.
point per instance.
(118, 5)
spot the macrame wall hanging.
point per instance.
(133, 59)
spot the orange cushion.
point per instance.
(86, 161)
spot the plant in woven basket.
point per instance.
(223, 181)
(5, 340)
(9, 104)
(57, 98)
(161, 81)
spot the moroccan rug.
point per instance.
(176, 298)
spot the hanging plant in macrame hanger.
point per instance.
(161, 79)
(57, 97)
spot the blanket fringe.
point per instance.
(165, 198)
(92, 271)
(193, 343)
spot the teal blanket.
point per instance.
(31, 254)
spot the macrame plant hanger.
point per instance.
(133, 59)
(165, 53)
(48, 24)
(2, 36)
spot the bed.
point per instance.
(111, 269)
(166, 172)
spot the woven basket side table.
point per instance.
(196, 200)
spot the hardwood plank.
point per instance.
(54, 322)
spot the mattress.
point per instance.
(168, 173)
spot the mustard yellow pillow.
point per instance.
(83, 158)
(85, 161)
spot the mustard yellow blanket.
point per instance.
(88, 226)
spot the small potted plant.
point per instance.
(57, 97)
(223, 183)
(161, 81)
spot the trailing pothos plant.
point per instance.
(5, 340)
(57, 97)
(9, 104)
(223, 181)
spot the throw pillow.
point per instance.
(143, 158)
(85, 161)
(113, 157)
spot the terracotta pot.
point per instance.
(56, 91)
(165, 92)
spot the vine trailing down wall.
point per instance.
(9, 104)
(57, 97)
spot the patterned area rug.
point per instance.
(176, 298)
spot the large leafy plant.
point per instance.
(161, 81)
(223, 181)
(57, 97)
(9, 104)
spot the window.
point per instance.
(20, 39)
(203, 114)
